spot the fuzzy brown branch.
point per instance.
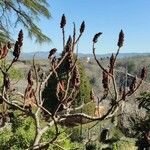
(137, 87)
(99, 64)
(74, 37)
(36, 74)
(112, 76)
(88, 117)
(62, 25)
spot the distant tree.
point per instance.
(24, 12)
(131, 67)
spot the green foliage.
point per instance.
(76, 135)
(116, 133)
(85, 87)
(140, 126)
(24, 133)
(128, 144)
(144, 101)
(89, 108)
(27, 13)
(5, 137)
(15, 74)
(91, 146)
(130, 64)
(63, 139)
(131, 67)
(18, 135)
(49, 94)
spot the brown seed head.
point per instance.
(105, 80)
(82, 27)
(112, 61)
(143, 73)
(16, 51)
(63, 21)
(95, 39)
(76, 78)
(30, 77)
(18, 44)
(4, 52)
(52, 52)
(133, 85)
(121, 39)
(20, 38)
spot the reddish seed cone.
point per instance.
(121, 39)
(95, 39)
(63, 21)
(4, 52)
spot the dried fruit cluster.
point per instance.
(143, 73)
(52, 53)
(95, 39)
(69, 59)
(121, 39)
(112, 62)
(29, 96)
(76, 78)
(82, 27)
(132, 85)
(18, 45)
(63, 21)
(105, 82)
(4, 51)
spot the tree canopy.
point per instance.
(23, 12)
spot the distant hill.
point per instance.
(121, 55)
(44, 55)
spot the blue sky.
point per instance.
(107, 16)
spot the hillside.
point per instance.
(44, 54)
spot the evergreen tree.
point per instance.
(50, 94)
(85, 86)
(24, 12)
